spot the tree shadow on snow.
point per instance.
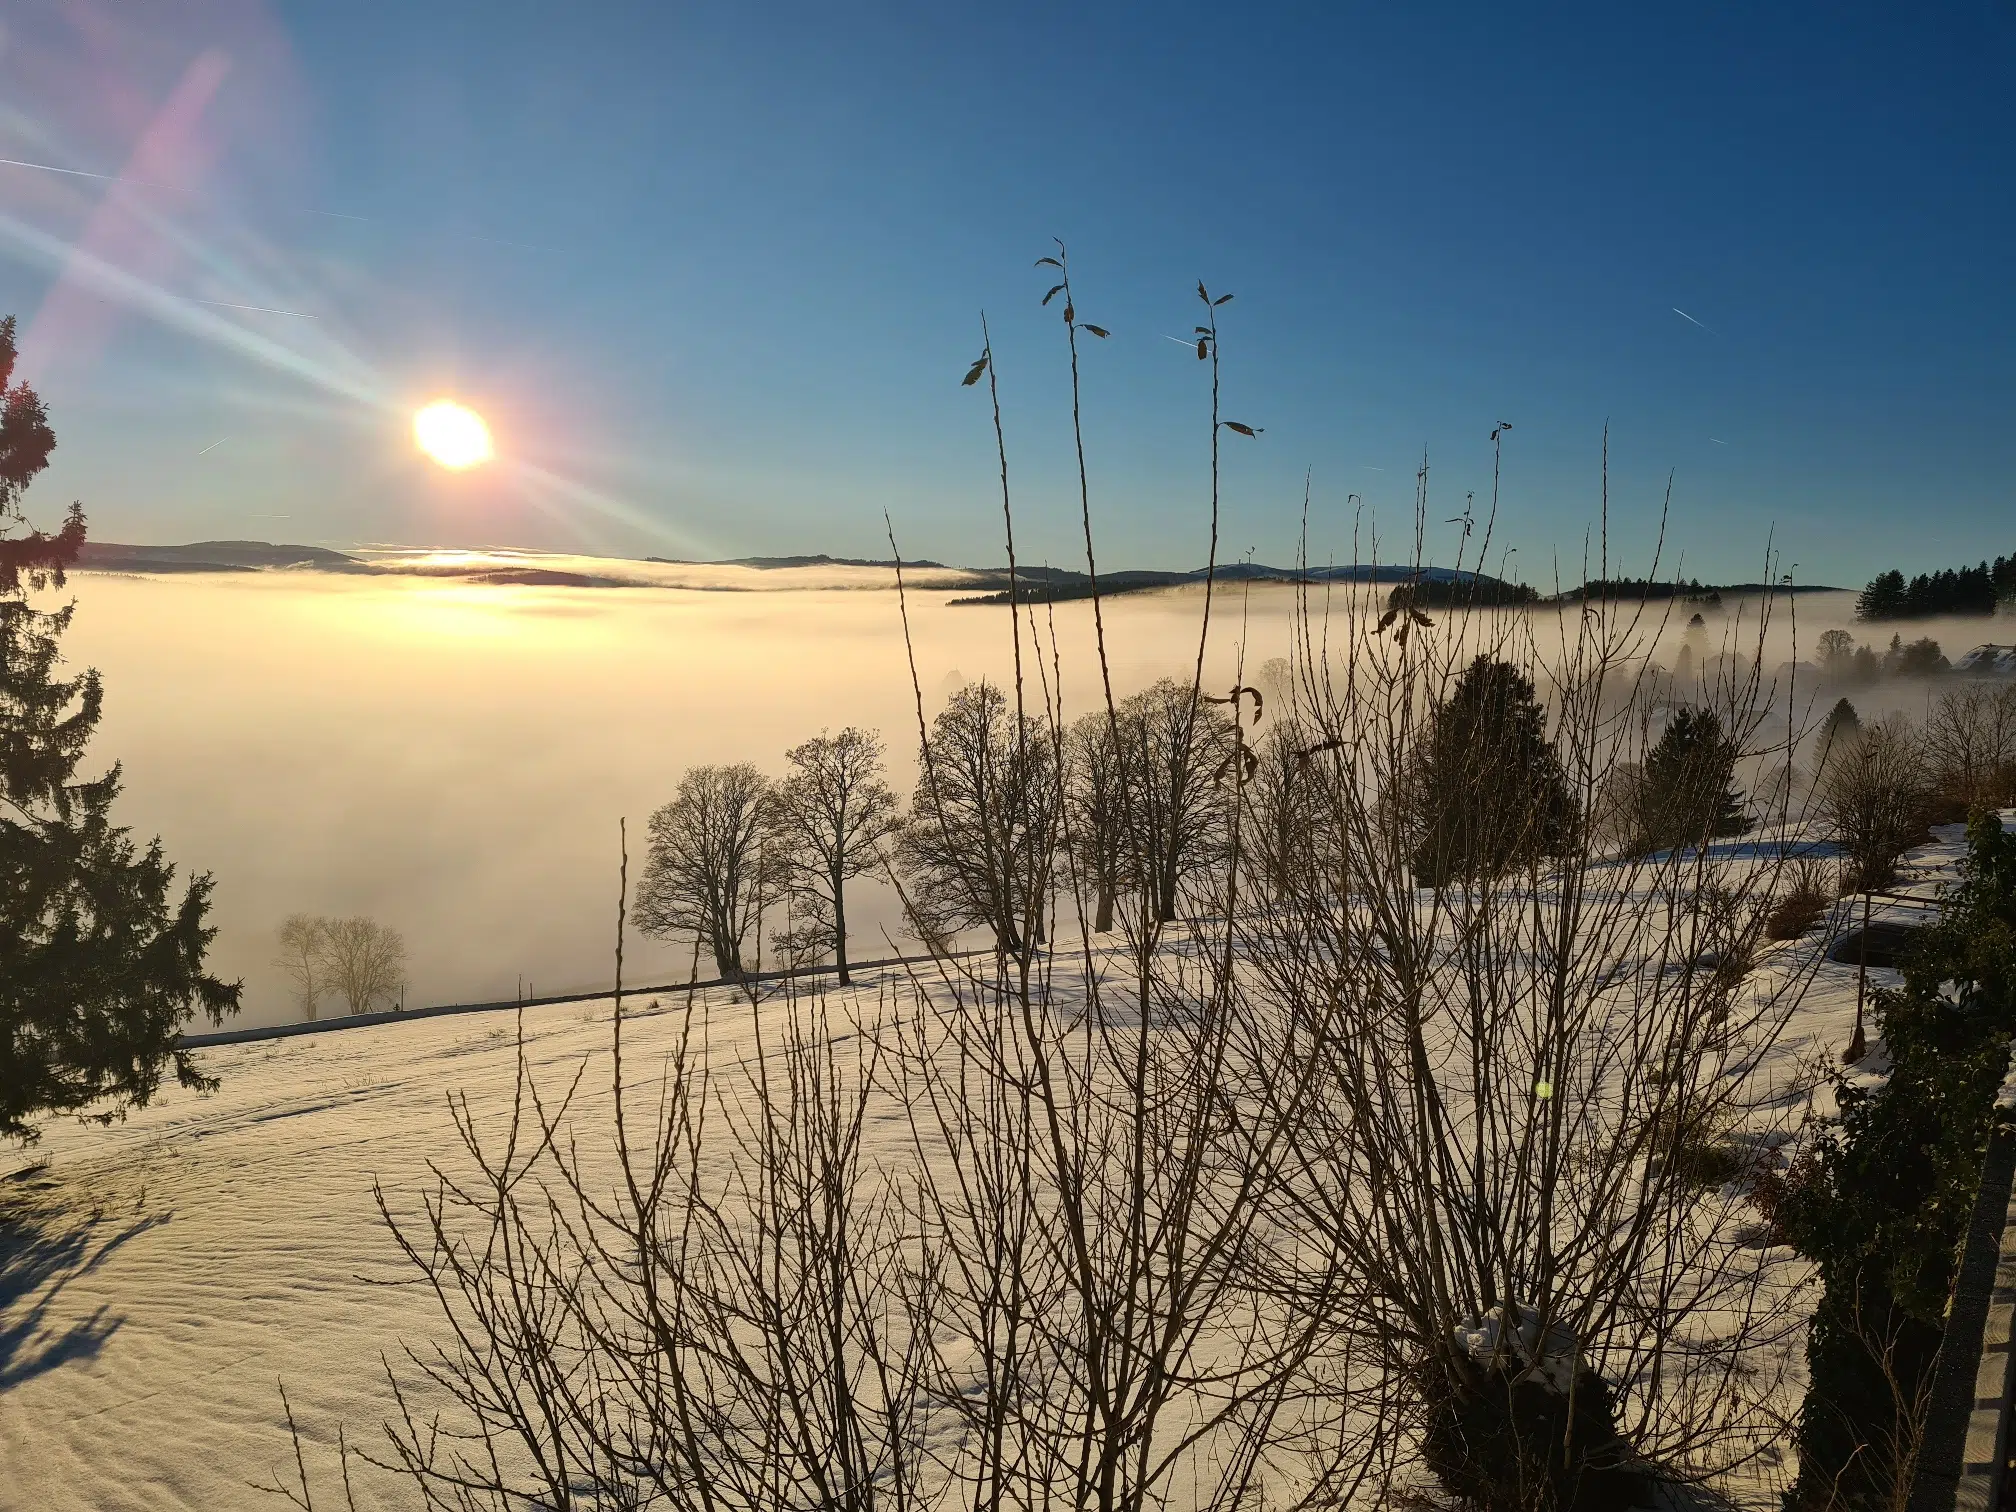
(44, 1246)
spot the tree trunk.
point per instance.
(840, 929)
(1103, 921)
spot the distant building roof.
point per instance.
(1989, 661)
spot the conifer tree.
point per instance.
(1490, 792)
(1686, 794)
(1841, 725)
(99, 967)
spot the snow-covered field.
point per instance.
(161, 1277)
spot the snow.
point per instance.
(160, 1278)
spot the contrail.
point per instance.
(223, 304)
(51, 168)
(1689, 318)
(212, 447)
(107, 178)
(1718, 440)
(1179, 340)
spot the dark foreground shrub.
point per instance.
(1521, 1445)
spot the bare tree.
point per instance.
(1872, 795)
(362, 960)
(979, 842)
(1287, 808)
(1096, 826)
(1970, 745)
(834, 811)
(713, 861)
(302, 948)
(1174, 748)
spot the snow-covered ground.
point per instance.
(161, 1277)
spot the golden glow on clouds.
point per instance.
(453, 435)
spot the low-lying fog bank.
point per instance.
(452, 758)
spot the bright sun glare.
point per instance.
(453, 435)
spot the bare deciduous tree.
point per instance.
(1970, 745)
(301, 954)
(1173, 749)
(713, 861)
(1096, 817)
(1287, 806)
(362, 960)
(834, 812)
(979, 843)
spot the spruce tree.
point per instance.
(1489, 791)
(1841, 725)
(1883, 598)
(99, 968)
(1686, 794)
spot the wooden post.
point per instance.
(1859, 1046)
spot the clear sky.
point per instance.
(713, 272)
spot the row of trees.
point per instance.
(1969, 590)
(1140, 801)
(1844, 662)
(359, 960)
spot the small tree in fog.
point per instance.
(833, 812)
(302, 946)
(1872, 795)
(712, 861)
(1685, 794)
(1837, 652)
(978, 845)
(362, 961)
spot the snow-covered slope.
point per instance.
(161, 1277)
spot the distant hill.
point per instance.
(1045, 585)
(768, 562)
(1035, 584)
(213, 556)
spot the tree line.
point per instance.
(1973, 590)
(1140, 801)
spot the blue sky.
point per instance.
(713, 272)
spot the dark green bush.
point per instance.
(1889, 1194)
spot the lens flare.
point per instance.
(453, 435)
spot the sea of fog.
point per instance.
(452, 758)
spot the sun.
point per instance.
(453, 435)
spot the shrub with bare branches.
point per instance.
(1872, 795)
